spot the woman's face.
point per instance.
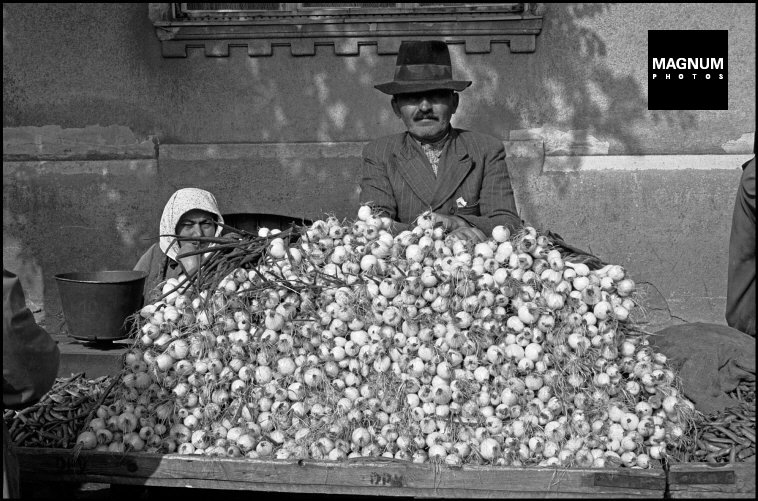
(196, 223)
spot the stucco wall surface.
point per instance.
(669, 228)
(99, 129)
(75, 65)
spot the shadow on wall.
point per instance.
(66, 223)
(569, 93)
(118, 78)
(573, 87)
(569, 84)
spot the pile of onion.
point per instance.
(354, 342)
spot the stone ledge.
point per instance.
(95, 142)
(560, 142)
(298, 154)
(526, 149)
(514, 149)
(26, 169)
(239, 151)
(643, 162)
(745, 144)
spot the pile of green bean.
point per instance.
(58, 417)
(730, 435)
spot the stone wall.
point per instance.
(665, 218)
(99, 129)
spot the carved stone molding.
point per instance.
(346, 33)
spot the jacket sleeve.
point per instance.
(30, 355)
(145, 261)
(740, 293)
(151, 265)
(496, 200)
(376, 189)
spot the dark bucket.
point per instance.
(96, 304)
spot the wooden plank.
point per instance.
(706, 480)
(371, 476)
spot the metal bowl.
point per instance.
(97, 304)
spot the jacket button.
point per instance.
(451, 210)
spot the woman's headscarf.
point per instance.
(180, 203)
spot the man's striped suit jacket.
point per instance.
(472, 182)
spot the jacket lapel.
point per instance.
(455, 165)
(418, 175)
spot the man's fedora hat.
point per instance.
(421, 66)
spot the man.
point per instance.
(740, 293)
(30, 365)
(190, 212)
(459, 175)
(712, 359)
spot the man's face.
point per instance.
(196, 223)
(426, 114)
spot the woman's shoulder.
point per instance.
(151, 255)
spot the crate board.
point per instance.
(705, 480)
(369, 476)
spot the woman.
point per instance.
(190, 212)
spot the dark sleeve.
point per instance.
(398, 227)
(156, 264)
(145, 261)
(740, 294)
(30, 355)
(496, 200)
(376, 189)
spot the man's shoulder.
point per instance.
(384, 143)
(748, 178)
(749, 167)
(390, 139)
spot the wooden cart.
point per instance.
(370, 477)
(377, 477)
(705, 480)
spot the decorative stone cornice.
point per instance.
(514, 24)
